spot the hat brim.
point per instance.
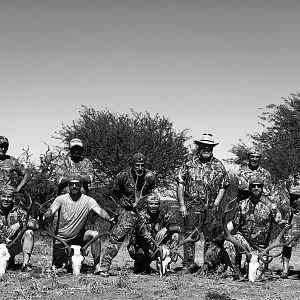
(206, 143)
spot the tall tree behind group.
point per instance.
(280, 139)
(111, 138)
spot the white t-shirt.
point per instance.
(73, 214)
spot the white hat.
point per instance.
(76, 142)
(206, 138)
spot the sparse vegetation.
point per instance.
(43, 283)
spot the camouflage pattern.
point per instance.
(67, 165)
(232, 254)
(140, 246)
(16, 215)
(126, 222)
(244, 173)
(124, 186)
(253, 221)
(126, 189)
(202, 183)
(10, 171)
(294, 231)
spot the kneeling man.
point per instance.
(74, 212)
(12, 221)
(156, 225)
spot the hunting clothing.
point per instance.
(244, 173)
(10, 171)
(202, 182)
(83, 167)
(140, 246)
(126, 187)
(252, 227)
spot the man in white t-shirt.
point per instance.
(75, 208)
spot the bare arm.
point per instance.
(219, 197)
(24, 180)
(51, 211)
(180, 197)
(101, 212)
(230, 226)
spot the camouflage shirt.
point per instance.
(125, 186)
(10, 170)
(151, 224)
(16, 215)
(253, 221)
(67, 165)
(244, 173)
(202, 181)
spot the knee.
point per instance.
(93, 234)
(28, 235)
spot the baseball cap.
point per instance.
(138, 157)
(76, 142)
(3, 140)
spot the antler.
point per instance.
(227, 234)
(22, 231)
(275, 244)
(54, 236)
(174, 252)
(83, 249)
(41, 207)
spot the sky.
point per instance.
(209, 66)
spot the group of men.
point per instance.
(201, 185)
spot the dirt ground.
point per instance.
(42, 283)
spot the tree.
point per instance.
(280, 139)
(110, 140)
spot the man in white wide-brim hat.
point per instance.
(202, 182)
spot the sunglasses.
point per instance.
(78, 184)
(258, 185)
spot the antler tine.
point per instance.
(228, 235)
(189, 238)
(44, 204)
(28, 208)
(54, 236)
(83, 249)
(275, 244)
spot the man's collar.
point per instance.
(12, 210)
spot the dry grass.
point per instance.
(42, 283)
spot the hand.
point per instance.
(42, 222)
(160, 235)
(174, 239)
(13, 229)
(113, 220)
(183, 211)
(215, 209)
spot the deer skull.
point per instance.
(4, 256)
(76, 259)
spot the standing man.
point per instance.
(252, 224)
(130, 186)
(9, 167)
(12, 221)
(75, 164)
(75, 208)
(253, 167)
(292, 196)
(202, 183)
(157, 225)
